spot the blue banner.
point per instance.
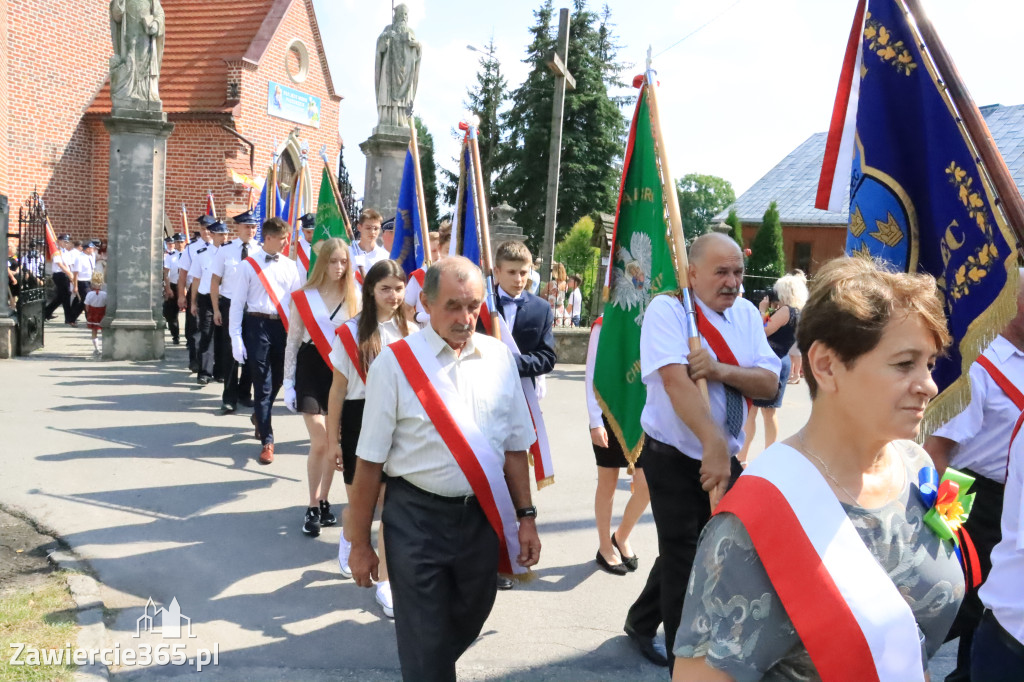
(919, 200)
(470, 236)
(293, 105)
(262, 214)
(407, 248)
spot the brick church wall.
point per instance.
(4, 112)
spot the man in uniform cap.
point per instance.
(185, 281)
(308, 223)
(170, 308)
(208, 335)
(62, 277)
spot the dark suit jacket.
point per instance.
(533, 335)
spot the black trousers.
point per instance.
(998, 656)
(61, 295)
(190, 335)
(207, 337)
(78, 304)
(264, 346)
(983, 527)
(681, 509)
(235, 386)
(171, 313)
(442, 559)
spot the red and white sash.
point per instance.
(348, 333)
(420, 275)
(275, 295)
(540, 451)
(482, 465)
(304, 254)
(848, 613)
(718, 344)
(1002, 381)
(317, 319)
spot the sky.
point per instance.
(757, 79)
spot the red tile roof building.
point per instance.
(219, 58)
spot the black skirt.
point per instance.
(313, 379)
(612, 456)
(351, 423)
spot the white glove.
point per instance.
(238, 349)
(290, 400)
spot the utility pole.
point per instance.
(557, 64)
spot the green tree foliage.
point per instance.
(579, 257)
(485, 100)
(593, 132)
(700, 198)
(733, 221)
(767, 259)
(429, 170)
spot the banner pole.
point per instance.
(336, 193)
(483, 225)
(421, 203)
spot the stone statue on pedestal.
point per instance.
(396, 71)
(137, 31)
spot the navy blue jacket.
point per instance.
(533, 335)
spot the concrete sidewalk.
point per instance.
(132, 466)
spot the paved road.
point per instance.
(132, 466)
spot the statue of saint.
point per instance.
(396, 70)
(137, 31)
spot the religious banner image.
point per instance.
(293, 105)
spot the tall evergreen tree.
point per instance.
(429, 170)
(767, 259)
(736, 227)
(485, 100)
(593, 128)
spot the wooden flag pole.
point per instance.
(421, 202)
(336, 193)
(675, 223)
(1010, 199)
(459, 215)
(484, 230)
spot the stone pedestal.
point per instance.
(503, 228)
(385, 160)
(133, 327)
(8, 340)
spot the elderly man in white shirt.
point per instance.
(444, 550)
(690, 454)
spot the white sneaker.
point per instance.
(344, 547)
(384, 598)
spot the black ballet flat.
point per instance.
(630, 562)
(614, 569)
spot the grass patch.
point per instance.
(43, 618)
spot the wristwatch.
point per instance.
(525, 512)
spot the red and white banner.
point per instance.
(849, 614)
(318, 321)
(348, 334)
(835, 167)
(455, 423)
(275, 296)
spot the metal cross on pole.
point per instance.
(557, 64)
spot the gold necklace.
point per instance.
(828, 471)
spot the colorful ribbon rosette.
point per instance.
(949, 504)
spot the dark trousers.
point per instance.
(171, 313)
(264, 346)
(235, 387)
(681, 509)
(983, 527)
(442, 559)
(206, 337)
(61, 295)
(996, 655)
(78, 305)
(190, 335)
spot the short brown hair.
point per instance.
(369, 214)
(513, 252)
(275, 226)
(851, 302)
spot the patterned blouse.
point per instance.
(733, 616)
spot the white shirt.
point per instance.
(202, 267)
(86, 266)
(1002, 591)
(508, 310)
(593, 408)
(367, 259)
(252, 297)
(412, 298)
(73, 259)
(404, 438)
(185, 259)
(389, 333)
(983, 429)
(171, 264)
(96, 299)
(574, 308)
(227, 260)
(534, 282)
(663, 341)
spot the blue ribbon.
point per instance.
(928, 486)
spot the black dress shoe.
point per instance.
(630, 562)
(614, 569)
(505, 583)
(227, 408)
(649, 647)
(203, 380)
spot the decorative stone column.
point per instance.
(8, 342)
(503, 228)
(385, 161)
(133, 326)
